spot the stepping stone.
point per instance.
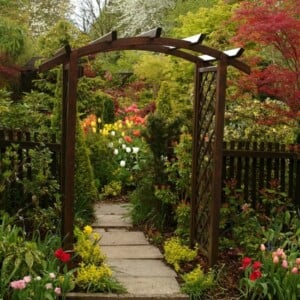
(112, 221)
(113, 238)
(132, 252)
(150, 285)
(140, 268)
(111, 209)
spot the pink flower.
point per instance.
(298, 261)
(284, 264)
(275, 259)
(49, 286)
(295, 270)
(262, 247)
(279, 252)
(27, 279)
(57, 291)
(18, 284)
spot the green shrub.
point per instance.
(85, 188)
(196, 282)
(177, 253)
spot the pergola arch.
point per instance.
(208, 122)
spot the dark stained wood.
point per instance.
(69, 168)
(195, 170)
(61, 57)
(218, 161)
(256, 164)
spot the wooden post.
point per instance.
(217, 162)
(69, 154)
(194, 206)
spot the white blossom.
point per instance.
(135, 149)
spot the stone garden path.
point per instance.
(136, 264)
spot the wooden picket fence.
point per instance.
(254, 165)
(26, 141)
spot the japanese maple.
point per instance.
(272, 28)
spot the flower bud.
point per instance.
(285, 264)
(275, 259)
(262, 247)
(295, 270)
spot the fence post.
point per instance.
(297, 183)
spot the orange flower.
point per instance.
(136, 132)
(128, 139)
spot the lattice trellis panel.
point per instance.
(204, 136)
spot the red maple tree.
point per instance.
(272, 28)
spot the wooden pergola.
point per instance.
(208, 122)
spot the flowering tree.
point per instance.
(272, 28)
(135, 16)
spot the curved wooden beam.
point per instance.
(163, 45)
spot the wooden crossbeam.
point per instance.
(237, 52)
(59, 57)
(109, 37)
(153, 33)
(63, 50)
(232, 53)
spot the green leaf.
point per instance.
(29, 259)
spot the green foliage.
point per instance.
(179, 169)
(42, 186)
(154, 69)
(87, 246)
(114, 188)
(176, 253)
(93, 275)
(90, 98)
(253, 120)
(18, 257)
(31, 113)
(212, 21)
(62, 33)
(92, 278)
(273, 220)
(196, 282)
(183, 216)
(9, 166)
(85, 188)
(12, 37)
(103, 168)
(163, 101)
(108, 115)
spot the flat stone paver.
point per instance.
(114, 238)
(150, 285)
(111, 209)
(132, 252)
(112, 221)
(135, 263)
(140, 268)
